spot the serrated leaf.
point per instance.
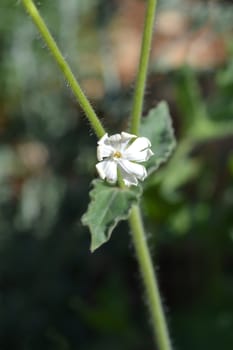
(157, 127)
(108, 206)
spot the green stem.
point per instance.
(135, 220)
(150, 281)
(74, 85)
(143, 66)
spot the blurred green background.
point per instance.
(55, 294)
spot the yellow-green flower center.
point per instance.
(117, 154)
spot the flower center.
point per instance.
(117, 154)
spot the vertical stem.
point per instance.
(143, 66)
(150, 281)
(135, 220)
(74, 85)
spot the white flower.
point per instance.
(121, 151)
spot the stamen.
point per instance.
(117, 154)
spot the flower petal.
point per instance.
(104, 140)
(120, 141)
(138, 156)
(131, 168)
(126, 137)
(115, 142)
(104, 151)
(128, 179)
(140, 144)
(107, 169)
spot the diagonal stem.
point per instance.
(65, 68)
(143, 66)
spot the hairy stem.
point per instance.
(65, 68)
(143, 66)
(151, 285)
(135, 220)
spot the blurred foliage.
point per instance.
(54, 294)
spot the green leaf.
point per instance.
(109, 204)
(157, 126)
